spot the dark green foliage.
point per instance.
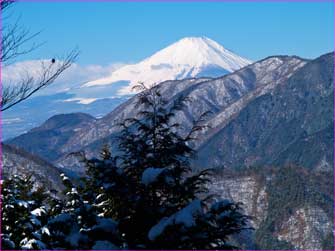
(22, 225)
(77, 224)
(151, 181)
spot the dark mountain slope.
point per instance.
(217, 95)
(281, 126)
(48, 139)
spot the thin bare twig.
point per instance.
(13, 44)
(14, 94)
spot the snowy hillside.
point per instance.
(188, 57)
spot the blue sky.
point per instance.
(110, 32)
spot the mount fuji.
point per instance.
(191, 57)
(187, 58)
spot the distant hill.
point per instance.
(48, 139)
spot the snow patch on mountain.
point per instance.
(188, 57)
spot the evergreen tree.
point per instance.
(33, 219)
(150, 188)
(77, 224)
(24, 214)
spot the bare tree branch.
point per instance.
(14, 41)
(14, 94)
(4, 4)
(14, 37)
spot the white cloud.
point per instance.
(72, 78)
(84, 101)
(10, 121)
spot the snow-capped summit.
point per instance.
(188, 57)
(197, 52)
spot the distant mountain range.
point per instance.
(266, 113)
(270, 139)
(188, 57)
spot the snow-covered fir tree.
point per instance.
(77, 225)
(33, 219)
(24, 214)
(150, 189)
